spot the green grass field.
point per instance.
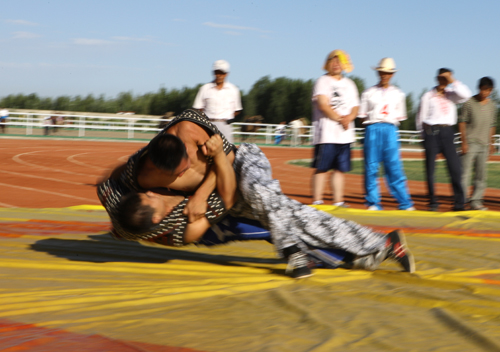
(415, 170)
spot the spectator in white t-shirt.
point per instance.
(335, 105)
(219, 100)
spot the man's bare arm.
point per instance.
(226, 185)
(325, 107)
(115, 174)
(197, 206)
(194, 136)
(226, 178)
(195, 230)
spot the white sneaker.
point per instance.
(410, 209)
(373, 207)
(341, 205)
(317, 202)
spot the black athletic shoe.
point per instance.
(433, 207)
(298, 266)
(398, 250)
(298, 263)
(369, 262)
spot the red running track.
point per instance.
(49, 173)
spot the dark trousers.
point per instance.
(439, 139)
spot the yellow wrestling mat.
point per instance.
(60, 269)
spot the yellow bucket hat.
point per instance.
(345, 60)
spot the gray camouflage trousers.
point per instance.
(289, 221)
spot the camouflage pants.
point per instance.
(291, 222)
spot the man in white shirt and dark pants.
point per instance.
(383, 106)
(219, 100)
(436, 116)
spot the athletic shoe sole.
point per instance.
(408, 265)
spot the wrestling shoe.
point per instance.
(298, 263)
(369, 262)
(398, 250)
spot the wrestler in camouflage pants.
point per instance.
(290, 222)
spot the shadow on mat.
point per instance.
(102, 249)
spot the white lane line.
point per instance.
(7, 205)
(49, 192)
(43, 178)
(71, 159)
(17, 159)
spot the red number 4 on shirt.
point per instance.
(385, 110)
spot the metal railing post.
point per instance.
(81, 131)
(295, 133)
(29, 124)
(131, 128)
(269, 131)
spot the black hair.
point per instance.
(166, 151)
(133, 216)
(444, 70)
(486, 83)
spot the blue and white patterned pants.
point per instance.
(291, 222)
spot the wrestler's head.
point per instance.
(139, 212)
(168, 153)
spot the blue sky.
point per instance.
(61, 47)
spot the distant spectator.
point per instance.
(297, 126)
(4, 114)
(477, 124)
(47, 123)
(57, 120)
(219, 99)
(280, 132)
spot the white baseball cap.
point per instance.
(221, 65)
(387, 64)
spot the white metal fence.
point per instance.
(129, 126)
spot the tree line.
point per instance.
(276, 100)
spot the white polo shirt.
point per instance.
(218, 104)
(382, 105)
(343, 97)
(441, 109)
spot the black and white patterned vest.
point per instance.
(170, 231)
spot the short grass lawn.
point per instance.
(415, 170)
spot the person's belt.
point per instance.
(434, 129)
(437, 125)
